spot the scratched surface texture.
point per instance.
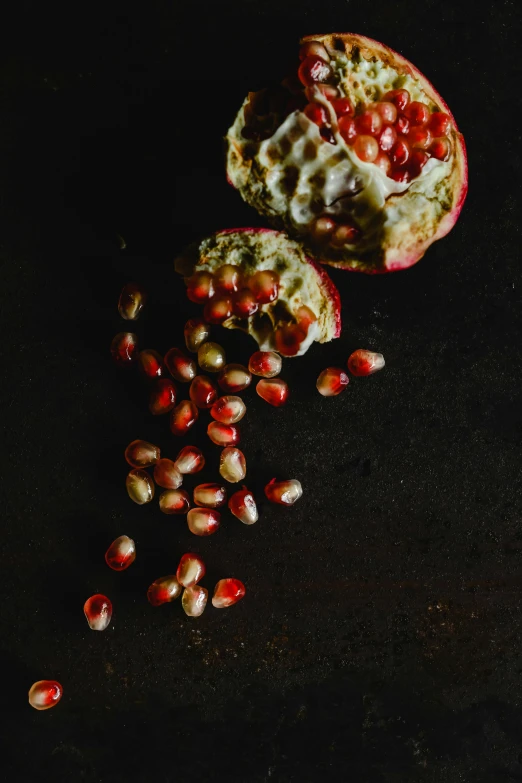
(380, 638)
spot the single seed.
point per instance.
(347, 129)
(387, 111)
(417, 113)
(210, 495)
(418, 160)
(400, 153)
(124, 348)
(228, 409)
(244, 304)
(227, 279)
(181, 367)
(167, 475)
(332, 381)
(218, 309)
(305, 317)
(361, 362)
(174, 501)
(267, 364)
(163, 397)
(274, 391)
(316, 114)
(223, 434)
(369, 123)
(289, 338)
(194, 600)
(399, 98)
(45, 694)
(232, 465)
(243, 506)
(234, 378)
(314, 69)
(419, 137)
(140, 487)
(342, 107)
(183, 417)
(322, 228)
(265, 286)
(203, 521)
(141, 454)
(191, 570)
(200, 287)
(196, 333)
(202, 392)
(131, 302)
(163, 590)
(98, 612)
(440, 148)
(190, 460)
(401, 174)
(402, 125)
(121, 553)
(366, 148)
(313, 48)
(439, 123)
(227, 592)
(387, 139)
(383, 162)
(150, 363)
(211, 357)
(286, 493)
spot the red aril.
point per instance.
(194, 600)
(227, 279)
(419, 137)
(387, 138)
(234, 378)
(347, 129)
(366, 148)
(167, 475)
(402, 125)
(124, 348)
(98, 612)
(418, 160)
(343, 107)
(265, 286)
(228, 409)
(223, 434)
(387, 111)
(244, 304)
(273, 390)
(227, 592)
(163, 590)
(121, 553)
(232, 465)
(210, 495)
(314, 69)
(439, 123)
(369, 123)
(401, 174)
(383, 162)
(162, 397)
(285, 493)
(180, 366)
(200, 287)
(417, 113)
(203, 521)
(399, 98)
(440, 149)
(174, 501)
(400, 154)
(190, 460)
(183, 417)
(191, 570)
(140, 487)
(131, 302)
(345, 234)
(362, 362)
(322, 228)
(316, 113)
(218, 309)
(289, 339)
(202, 392)
(332, 381)
(211, 357)
(45, 694)
(267, 364)
(313, 48)
(141, 454)
(243, 506)
(150, 363)
(196, 332)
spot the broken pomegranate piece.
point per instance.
(227, 592)
(361, 362)
(286, 493)
(163, 590)
(98, 612)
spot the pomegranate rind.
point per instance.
(302, 280)
(412, 220)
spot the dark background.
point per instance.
(380, 638)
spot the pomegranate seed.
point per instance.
(332, 381)
(162, 398)
(124, 348)
(366, 148)
(140, 487)
(347, 129)
(234, 378)
(419, 137)
(98, 612)
(369, 123)
(439, 123)
(345, 235)
(131, 302)
(314, 69)
(316, 114)
(151, 363)
(289, 338)
(387, 138)
(140, 454)
(211, 357)
(273, 391)
(223, 434)
(361, 362)
(328, 90)
(203, 392)
(174, 501)
(322, 228)
(227, 592)
(203, 521)
(194, 600)
(196, 333)
(200, 287)
(210, 495)
(180, 366)
(267, 364)
(264, 285)
(45, 694)
(244, 304)
(305, 317)
(218, 309)
(383, 162)
(417, 161)
(228, 409)
(401, 174)
(121, 553)
(399, 98)
(417, 113)
(313, 48)
(402, 125)
(183, 417)
(440, 148)
(232, 465)
(387, 111)
(343, 107)
(190, 460)
(400, 153)
(191, 570)
(167, 475)
(227, 279)
(163, 590)
(286, 493)
(243, 506)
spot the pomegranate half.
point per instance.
(356, 155)
(294, 301)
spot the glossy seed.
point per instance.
(167, 475)
(141, 454)
(361, 362)
(164, 590)
(223, 434)
(286, 493)
(191, 570)
(233, 378)
(267, 364)
(131, 302)
(124, 348)
(244, 304)
(45, 694)
(196, 332)
(98, 612)
(265, 286)
(150, 363)
(200, 287)
(174, 501)
(202, 391)
(210, 495)
(140, 487)
(181, 367)
(273, 390)
(232, 465)
(243, 506)
(211, 357)
(228, 409)
(332, 381)
(183, 417)
(227, 592)
(162, 398)
(194, 600)
(190, 460)
(203, 521)
(227, 279)
(121, 553)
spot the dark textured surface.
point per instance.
(380, 639)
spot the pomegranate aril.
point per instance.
(369, 123)
(98, 612)
(210, 495)
(243, 506)
(131, 302)
(190, 460)
(440, 148)
(345, 235)
(322, 228)
(439, 123)
(150, 363)
(227, 279)
(196, 332)
(124, 348)
(342, 107)
(218, 309)
(347, 129)
(417, 161)
(402, 125)
(191, 570)
(305, 317)
(387, 138)
(141, 454)
(361, 362)
(419, 137)
(174, 501)
(401, 174)
(121, 553)
(244, 304)
(267, 364)
(227, 592)
(232, 465)
(162, 398)
(273, 391)
(180, 366)
(228, 409)
(328, 90)
(140, 487)
(164, 590)
(234, 378)
(314, 69)
(211, 357)
(400, 153)
(316, 113)
(200, 287)
(289, 338)
(203, 392)
(223, 434)
(332, 381)
(286, 493)
(183, 417)
(203, 521)
(399, 98)
(313, 48)
(387, 111)
(265, 286)
(417, 113)
(194, 600)
(383, 162)
(167, 475)
(366, 148)
(45, 694)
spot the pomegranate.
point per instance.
(314, 160)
